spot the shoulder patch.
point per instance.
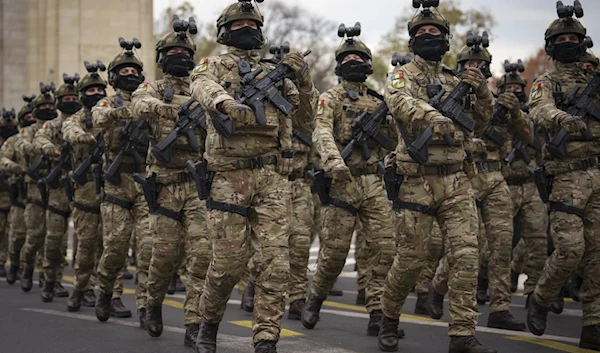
(142, 87)
(73, 119)
(201, 66)
(46, 126)
(536, 91)
(398, 80)
(101, 103)
(321, 106)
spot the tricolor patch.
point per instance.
(398, 80)
(321, 106)
(536, 91)
(201, 66)
(142, 87)
(73, 119)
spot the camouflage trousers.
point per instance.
(301, 224)
(35, 222)
(167, 237)
(263, 234)
(317, 224)
(434, 255)
(57, 216)
(576, 240)
(361, 255)
(367, 194)
(4, 231)
(17, 234)
(451, 198)
(124, 211)
(529, 256)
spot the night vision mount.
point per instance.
(513, 68)
(247, 5)
(567, 11)
(427, 5)
(279, 51)
(28, 99)
(182, 26)
(128, 45)
(475, 41)
(46, 89)
(9, 114)
(398, 60)
(94, 67)
(71, 80)
(349, 32)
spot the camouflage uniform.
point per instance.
(434, 255)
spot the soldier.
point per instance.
(13, 162)
(35, 210)
(8, 127)
(123, 209)
(176, 213)
(250, 199)
(590, 62)
(357, 189)
(434, 183)
(78, 131)
(48, 142)
(572, 162)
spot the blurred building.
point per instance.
(42, 39)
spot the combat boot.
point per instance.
(117, 309)
(41, 279)
(2, 271)
(374, 322)
(126, 274)
(514, 281)
(60, 291)
(48, 292)
(536, 316)
(295, 312)
(505, 320)
(27, 280)
(574, 288)
(310, 311)
(142, 317)
(11, 276)
(388, 334)
(482, 291)
(335, 291)
(154, 324)
(89, 299)
(247, 303)
(361, 298)
(435, 303)
(74, 302)
(103, 306)
(590, 337)
(172, 285)
(265, 347)
(191, 334)
(558, 304)
(421, 305)
(467, 344)
(179, 285)
(207, 337)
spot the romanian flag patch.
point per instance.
(536, 91)
(201, 66)
(101, 104)
(321, 106)
(142, 87)
(398, 80)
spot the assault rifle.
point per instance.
(95, 156)
(304, 138)
(498, 118)
(365, 127)
(202, 177)
(53, 178)
(151, 189)
(34, 168)
(582, 106)
(129, 141)
(187, 122)
(520, 148)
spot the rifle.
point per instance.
(321, 185)
(304, 138)
(34, 168)
(66, 183)
(581, 106)
(128, 145)
(150, 188)
(95, 155)
(13, 193)
(366, 126)
(520, 148)
(543, 182)
(392, 181)
(65, 159)
(187, 122)
(97, 174)
(202, 177)
(490, 131)
(4, 186)
(43, 191)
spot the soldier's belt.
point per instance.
(86, 208)
(488, 167)
(364, 170)
(561, 207)
(19, 205)
(513, 181)
(129, 168)
(159, 210)
(442, 169)
(342, 204)
(117, 201)
(175, 179)
(555, 167)
(226, 207)
(4, 210)
(417, 207)
(37, 203)
(63, 214)
(256, 162)
(297, 175)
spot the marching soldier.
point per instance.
(8, 127)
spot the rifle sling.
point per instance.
(417, 207)
(63, 214)
(561, 207)
(117, 201)
(487, 167)
(364, 170)
(37, 203)
(163, 211)
(86, 208)
(226, 207)
(342, 204)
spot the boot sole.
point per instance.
(308, 325)
(47, 300)
(102, 318)
(589, 346)
(170, 292)
(26, 289)
(121, 315)
(72, 308)
(247, 309)
(11, 281)
(534, 331)
(91, 305)
(509, 328)
(294, 316)
(387, 349)
(61, 295)
(153, 334)
(420, 311)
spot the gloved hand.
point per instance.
(475, 78)
(51, 151)
(167, 111)
(86, 139)
(296, 62)
(120, 113)
(442, 126)
(239, 112)
(573, 124)
(16, 169)
(511, 102)
(341, 173)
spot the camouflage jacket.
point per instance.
(302, 152)
(76, 125)
(145, 102)
(336, 112)
(111, 127)
(26, 148)
(10, 155)
(407, 98)
(214, 80)
(545, 102)
(51, 135)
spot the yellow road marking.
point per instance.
(550, 344)
(284, 332)
(364, 310)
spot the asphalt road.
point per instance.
(30, 326)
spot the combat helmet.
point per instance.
(428, 16)
(177, 38)
(9, 119)
(68, 87)
(93, 78)
(126, 58)
(352, 45)
(588, 57)
(512, 75)
(476, 49)
(241, 10)
(46, 96)
(26, 109)
(566, 24)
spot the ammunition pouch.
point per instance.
(393, 182)
(86, 208)
(227, 207)
(63, 214)
(114, 200)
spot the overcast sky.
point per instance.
(518, 33)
